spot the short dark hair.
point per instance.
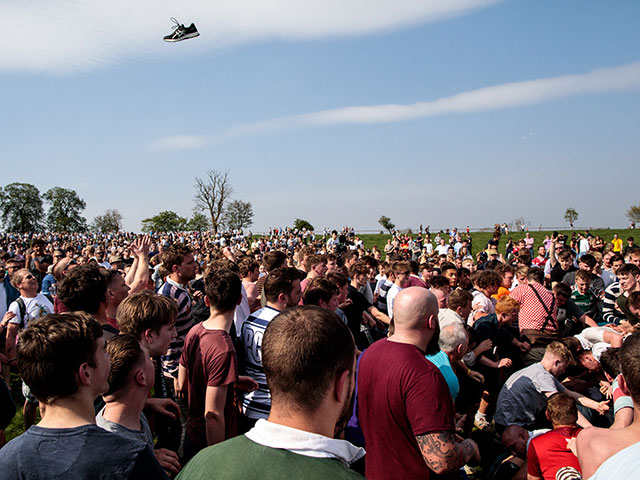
(609, 362)
(583, 275)
(562, 409)
(319, 289)
(145, 310)
(51, 350)
(83, 288)
(629, 357)
(313, 260)
(562, 289)
(125, 353)
(536, 275)
(223, 288)
(174, 255)
(303, 350)
(279, 281)
(447, 266)
(274, 259)
(588, 259)
(358, 268)
(486, 278)
(247, 265)
(337, 278)
(629, 269)
(439, 281)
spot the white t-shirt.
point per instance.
(391, 296)
(36, 307)
(485, 305)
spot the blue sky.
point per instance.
(441, 112)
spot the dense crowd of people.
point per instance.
(195, 355)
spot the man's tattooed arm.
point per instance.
(442, 454)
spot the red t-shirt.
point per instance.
(549, 452)
(400, 395)
(211, 361)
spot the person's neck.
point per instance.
(276, 306)
(26, 294)
(69, 412)
(126, 410)
(101, 315)
(320, 422)
(219, 320)
(111, 311)
(410, 337)
(177, 278)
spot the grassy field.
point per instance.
(480, 239)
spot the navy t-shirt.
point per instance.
(85, 452)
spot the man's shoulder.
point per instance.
(238, 457)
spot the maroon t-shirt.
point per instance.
(211, 361)
(400, 395)
(549, 452)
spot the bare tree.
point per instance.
(212, 195)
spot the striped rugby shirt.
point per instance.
(256, 404)
(184, 322)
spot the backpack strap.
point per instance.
(549, 311)
(23, 311)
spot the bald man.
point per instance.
(404, 401)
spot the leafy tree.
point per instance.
(166, 221)
(21, 208)
(111, 221)
(198, 223)
(570, 216)
(385, 222)
(299, 224)
(212, 195)
(238, 215)
(65, 207)
(633, 214)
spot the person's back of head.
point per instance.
(83, 288)
(149, 317)
(223, 290)
(130, 366)
(562, 410)
(535, 275)
(412, 307)
(52, 350)
(304, 350)
(319, 290)
(274, 259)
(459, 299)
(453, 339)
(629, 358)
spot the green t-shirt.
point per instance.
(243, 459)
(585, 302)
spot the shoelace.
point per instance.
(178, 27)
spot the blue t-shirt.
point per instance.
(85, 452)
(441, 360)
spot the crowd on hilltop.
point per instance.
(300, 353)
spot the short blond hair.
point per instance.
(507, 304)
(560, 350)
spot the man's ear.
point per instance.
(140, 377)
(342, 386)
(622, 383)
(207, 302)
(84, 375)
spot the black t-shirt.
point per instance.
(354, 311)
(557, 273)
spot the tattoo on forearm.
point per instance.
(441, 453)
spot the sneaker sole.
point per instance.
(184, 37)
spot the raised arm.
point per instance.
(443, 454)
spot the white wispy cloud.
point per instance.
(507, 95)
(63, 36)
(527, 136)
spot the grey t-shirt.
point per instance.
(523, 396)
(143, 435)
